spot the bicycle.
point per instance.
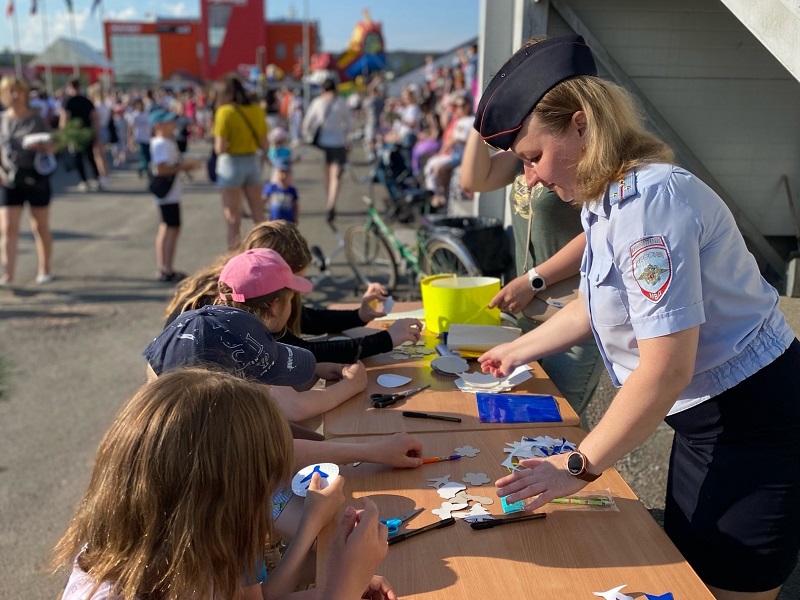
(376, 255)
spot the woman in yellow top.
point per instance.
(240, 141)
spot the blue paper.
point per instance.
(517, 408)
(517, 506)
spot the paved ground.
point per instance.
(70, 352)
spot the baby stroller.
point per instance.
(405, 201)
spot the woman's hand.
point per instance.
(375, 292)
(405, 330)
(321, 505)
(500, 361)
(329, 371)
(357, 374)
(359, 545)
(514, 296)
(399, 450)
(546, 478)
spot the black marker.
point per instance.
(496, 522)
(407, 534)
(422, 415)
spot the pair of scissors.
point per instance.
(394, 525)
(384, 400)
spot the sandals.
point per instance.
(173, 277)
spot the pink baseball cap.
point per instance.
(259, 272)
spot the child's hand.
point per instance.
(379, 589)
(359, 546)
(375, 293)
(405, 330)
(329, 371)
(322, 504)
(499, 361)
(357, 374)
(400, 450)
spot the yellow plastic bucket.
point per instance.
(450, 299)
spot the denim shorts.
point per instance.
(237, 170)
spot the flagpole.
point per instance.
(76, 72)
(17, 56)
(48, 67)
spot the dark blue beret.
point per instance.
(524, 80)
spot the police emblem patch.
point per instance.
(652, 266)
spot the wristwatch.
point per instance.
(576, 466)
(538, 283)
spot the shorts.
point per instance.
(336, 155)
(171, 214)
(30, 187)
(237, 170)
(733, 489)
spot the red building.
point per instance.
(231, 36)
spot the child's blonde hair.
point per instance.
(199, 289)
(178, 505)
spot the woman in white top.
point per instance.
(331, 120)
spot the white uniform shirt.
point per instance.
(664, 255)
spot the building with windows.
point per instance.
(231, 36)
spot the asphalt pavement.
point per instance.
(70, 351)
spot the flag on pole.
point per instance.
(69, 5)
(34, 6)
(95, 6)
(10, 8)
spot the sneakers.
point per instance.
(83, 187)
(173, 277)
(102, 183)
(331, 216)
(46, 278)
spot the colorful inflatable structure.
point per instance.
(364, 54)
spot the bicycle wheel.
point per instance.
(448, 255)
(370, 256)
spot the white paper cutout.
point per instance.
(388, 305)
(420, 343)
(478, 514)
(389, 380)
(475, 478)
(468, 451)
(480, 499)
(538, 447)
(328, 474)
(438, 482)
(613, 594)
(484, 382)
(462, 496)
(449, 365)
(446, 510)
(449, 490)
(400, 356)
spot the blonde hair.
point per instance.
(178, 505)
(10, 82)
(199, 289)
(616, 138)
(283, 237)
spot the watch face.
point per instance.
(575, 463)
(537, 283)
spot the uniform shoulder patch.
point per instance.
(652, 266)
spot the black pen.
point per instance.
(495, 522)
(421, 415)
(407, 534)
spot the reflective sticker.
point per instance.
(652, 266)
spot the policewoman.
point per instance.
(689, 330)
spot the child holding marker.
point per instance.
(196, 447)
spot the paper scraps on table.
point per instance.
(486, 382)
(409, 314)
(388, 305)
(328, 473)
(445, 511)
(613, 594)
(468, 451)
(399, 356)
(476, 514)
(412, 350)
(389, 380)
(438, 482)
(538, 447)
(450, 489)
(475, 478)
(512, 507)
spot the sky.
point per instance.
(434, 25)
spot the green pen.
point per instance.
(598, 501)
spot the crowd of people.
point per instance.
(595, 197)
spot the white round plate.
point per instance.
(449, 365)
(302, 480)
(388, 380)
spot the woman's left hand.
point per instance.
(329, 371)
(379, 589)
(514, 296)
(546, 478)
(375, 292)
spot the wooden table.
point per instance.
(568, 555)
(357, 417)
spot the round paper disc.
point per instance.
(302, 480)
